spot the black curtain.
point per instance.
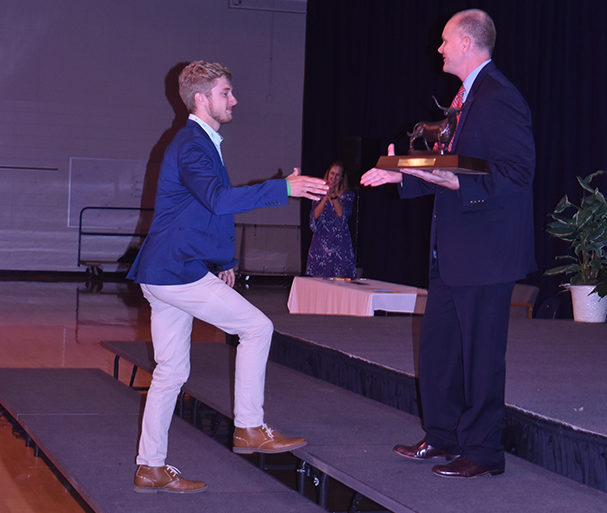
(372, 69)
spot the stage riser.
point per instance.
(87, 425)
(574, 454)
(372, 381)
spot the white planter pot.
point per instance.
(587, 307)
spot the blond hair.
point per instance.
(199, 77)
(343, 182)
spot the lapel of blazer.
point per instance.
(200, 132)
(470, 99)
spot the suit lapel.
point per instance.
(200, 132)
(470, 100)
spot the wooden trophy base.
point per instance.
(459, 164)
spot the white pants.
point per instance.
(173, 310)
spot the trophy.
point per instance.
(436, 136)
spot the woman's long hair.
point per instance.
(342, 186)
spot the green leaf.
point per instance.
(584, 216)
(562, 269)
(601, 289)
(584, 229)
(562, 205)
(561, 231)
(560, 219)
(585, 182)
(591, 176)
(565, 257)
(599, 236)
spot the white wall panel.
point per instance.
(83, 109)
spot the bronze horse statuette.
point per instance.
(437, 133)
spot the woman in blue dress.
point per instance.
(331, 254)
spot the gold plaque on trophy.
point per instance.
(459, 164)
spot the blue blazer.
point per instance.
(483, 232)
(192, 232)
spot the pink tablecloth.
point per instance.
(356, 297)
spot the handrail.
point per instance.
(105, 233)
(82, 233)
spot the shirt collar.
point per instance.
(213, 134)
(469, 80)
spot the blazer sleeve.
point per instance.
(207, 181)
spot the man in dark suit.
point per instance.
(186, 269)
(481, 243)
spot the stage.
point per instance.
(555, 386)
(555, 393)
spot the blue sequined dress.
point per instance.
(331, 254)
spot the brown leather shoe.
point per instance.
(422, 451)
(263, 439)
(463, 467)
(164, 479)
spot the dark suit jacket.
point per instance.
(483, 232)
(193, 227)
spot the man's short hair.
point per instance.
(199, 77)
(479, 26)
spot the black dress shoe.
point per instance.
(463, 467)
(422, 451)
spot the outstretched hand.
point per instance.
(303, 186)
(376, 177)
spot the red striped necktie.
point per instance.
(457, 103)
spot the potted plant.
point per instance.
(584, 228)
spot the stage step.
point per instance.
(87, 425)
(351, 439)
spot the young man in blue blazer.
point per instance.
(481, 243)
(186, 269)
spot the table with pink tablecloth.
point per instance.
(362, 297)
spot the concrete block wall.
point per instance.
(83, 109)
